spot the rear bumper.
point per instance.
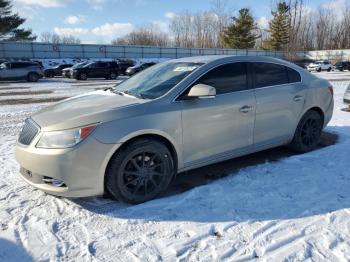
(328, 113)
(346, 98)
(80, 168)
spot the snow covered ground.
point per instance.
(288, 208)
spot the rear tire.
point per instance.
(113, 76)
(319, 69)
(33, 77)
(308, 132)
(140, 172)
(329, 69)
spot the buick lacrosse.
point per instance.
(133, 139)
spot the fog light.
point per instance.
(53, 181)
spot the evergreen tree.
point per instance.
(279, 27)
(10, 23)
(241, 33)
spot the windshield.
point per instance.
(156, 80)
(87, 65)
(78, 65)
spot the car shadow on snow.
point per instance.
(10, 251)
(272, 184)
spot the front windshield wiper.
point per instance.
(122, 93)
(114, 91)
(138, 95)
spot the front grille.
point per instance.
(29, 131)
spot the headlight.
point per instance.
(65, 138)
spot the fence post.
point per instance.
(176, 52)
(3, 50)
(141, 51)
(83, 51)
(124, 51)
(32, 50)
(190, 51)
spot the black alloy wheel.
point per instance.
(141, 172)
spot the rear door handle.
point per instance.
(245, 109)
(298, 98)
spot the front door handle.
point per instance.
(298, 98)
(245, 109)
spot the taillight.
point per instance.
(330, 88)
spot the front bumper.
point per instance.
(80, 168)
(313, 69)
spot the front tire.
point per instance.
(140, 172)
(329, 69)
(50, 75)
(308, 132)
(82, 76)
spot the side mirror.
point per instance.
(202, 91)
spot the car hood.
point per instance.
(90, 108)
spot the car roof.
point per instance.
(232, 58)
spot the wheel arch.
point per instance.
(318, 110)
(152, 136)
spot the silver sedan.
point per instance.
(178, 115)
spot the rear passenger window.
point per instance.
(267, 74)
(293, 75)
(16, 65)
(102, 65)
(226, 78)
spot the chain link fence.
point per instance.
(18, 50)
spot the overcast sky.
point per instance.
(100, 21)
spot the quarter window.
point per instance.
(226, 78)
(267, 74)
(293, 75)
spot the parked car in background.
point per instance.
(108, 70)
(124, 65)
(303, 63)
(321, 65)
(343, 65)
(67, 72)
(182, 114)
(56, 71)
(346, 98)
(29, 71)
(38, 62)
(135, 69)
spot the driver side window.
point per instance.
(226, 78)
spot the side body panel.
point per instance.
(214, 127)
(278, 111)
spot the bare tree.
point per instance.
(48, 37)
(146, 35)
